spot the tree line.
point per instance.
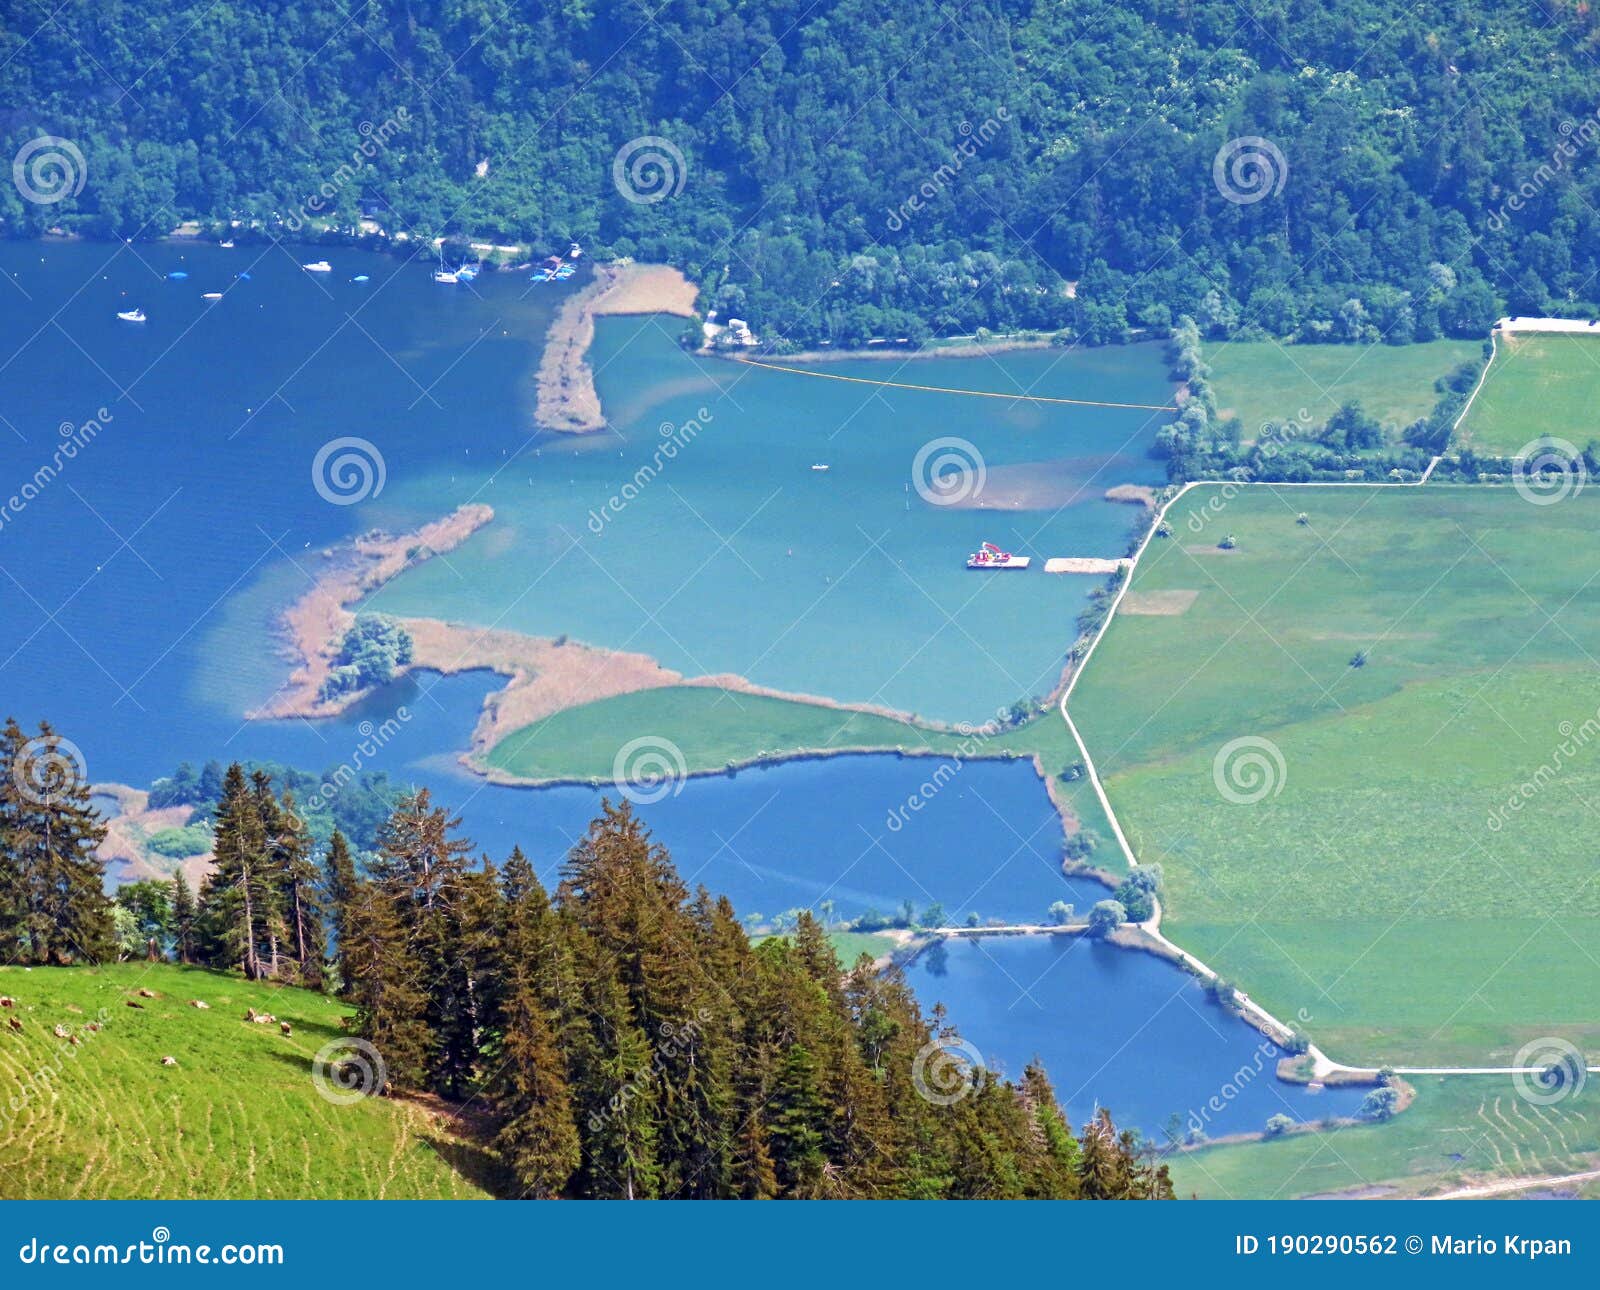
(623, 1035)
(832, 176)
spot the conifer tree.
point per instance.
(53, 907)
(294, 876)
(236, 890)
(339, 885)
(538, 1136)
(183, 919)
(385, 984)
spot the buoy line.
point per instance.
(944, 389)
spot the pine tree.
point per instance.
(538, 1136)
(339, 886)
(183, 919)
(52, 899)
(385, 984)
(235, 892)
(294, 877)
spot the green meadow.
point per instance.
(1401, 663)
(239, 1115)
(1536, 385)
(1260, 381)
(1462, 1131)
(717, 729)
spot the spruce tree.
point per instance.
(386, 986)
(53, 903)
(183, 919)
(236, 892)
(339, 887)
(294, 877)
(538, 1136)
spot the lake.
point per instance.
(1116, 1028)
(140, 580)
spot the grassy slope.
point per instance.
(1537, 385)
(238, 1116)
(1479, 1118)
(1261, 380)
(1371, 892)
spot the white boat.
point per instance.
(447, 275)
(819, 466)
(131, 315)
(212, 295)
(318, 266)
(226, 246)
(989, 556)
(574, 251)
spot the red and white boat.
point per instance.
(989, 556)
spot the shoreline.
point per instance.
(567, 401)
(312, 626)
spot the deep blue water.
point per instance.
(139, 582)
(1115, 1028)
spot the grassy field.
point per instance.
(237, 1117)
(1261, 381)
(1461, 1132)
(715, 729)
(1374, 886)
(1537, 385)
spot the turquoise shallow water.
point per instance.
(139, 579)
(735, 555)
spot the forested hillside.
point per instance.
(854, 169)
(618, 1038)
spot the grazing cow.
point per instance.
(16, 1023)
(6, 1001)
(169, 1061)
(61, 1032)
(133, 1003)
(198, 1003)
(147, 994)
(286, 1027)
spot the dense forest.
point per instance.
(618, 1038)
(840, 170)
